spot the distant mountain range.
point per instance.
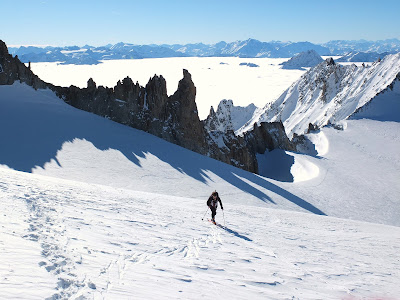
(250, 48)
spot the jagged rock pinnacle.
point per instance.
(330, 61)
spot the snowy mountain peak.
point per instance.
(120, 45)
(228, 117)
(303, 60)
(328, 93)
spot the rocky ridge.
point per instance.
(326, 94)
(12, 70)
(228, 119)
(173, 118)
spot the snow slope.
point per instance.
(91, 241)
(106, 211)
(384, 107)
(48, 137)
(361, 165)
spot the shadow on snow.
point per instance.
(235, 233)
(32, 134)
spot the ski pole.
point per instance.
(224, 217)
(205, 214)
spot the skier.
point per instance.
(212, 203)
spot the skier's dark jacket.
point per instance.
(214, 203)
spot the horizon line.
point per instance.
(193, 43)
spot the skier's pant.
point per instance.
(213, 212)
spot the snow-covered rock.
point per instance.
(303, 60)
(228, 116)
(328, 93)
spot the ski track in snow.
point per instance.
(98, 242)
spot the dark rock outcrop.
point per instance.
(312, 128)
(148, 108)
(184, 116)
(330, 61)
(14, 70)
(231, 149)
(268, 136)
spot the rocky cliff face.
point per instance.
(268, 136)
(173, 118)
(221, 128)
(11, 70)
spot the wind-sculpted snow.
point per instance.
(65, 240)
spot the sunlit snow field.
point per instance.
(66, 239)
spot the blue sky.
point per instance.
(56, 22)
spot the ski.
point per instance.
(215, 223)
